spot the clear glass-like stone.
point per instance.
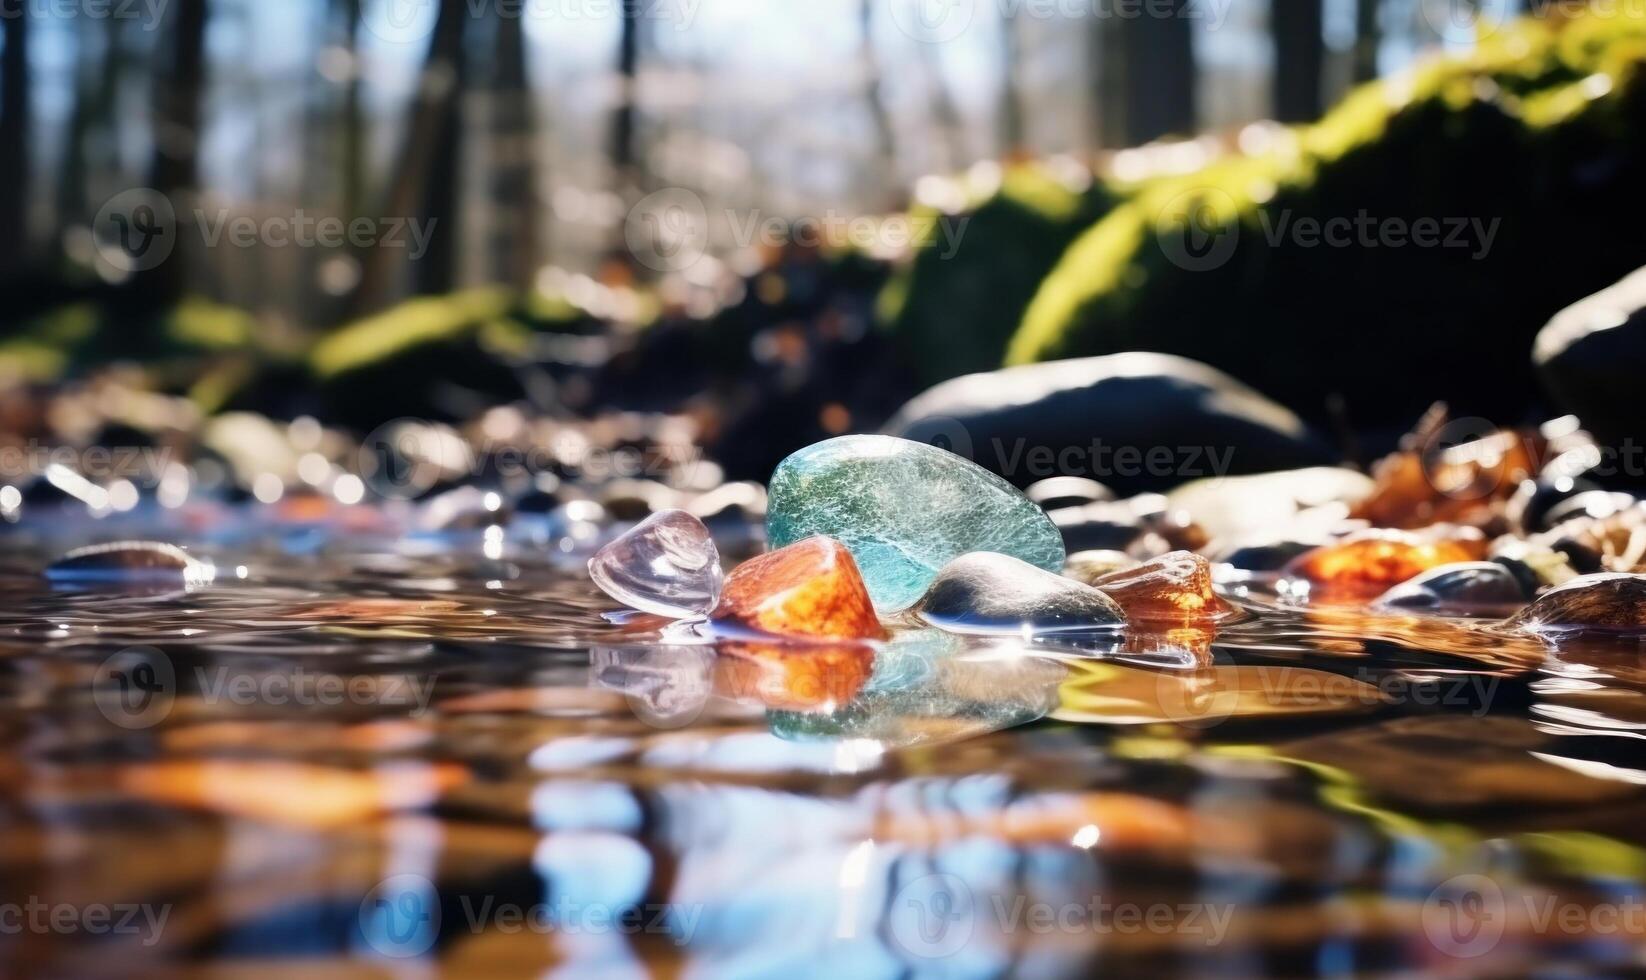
(987, 593)
(667, 565)
(904, 509)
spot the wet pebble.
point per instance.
(1607, 601)
(986, 593)
(144, 562)
(1478, 587)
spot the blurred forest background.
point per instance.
(526, 130)
(569, 206)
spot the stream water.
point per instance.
(361, 754)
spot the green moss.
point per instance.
(414, 323)
(202, 324)
(954, 306)
(1537, 135)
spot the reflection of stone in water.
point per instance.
(1453, 760)
(289, 793)
(938, 688)
(792, 677)
(665, 686)
(1116, 694)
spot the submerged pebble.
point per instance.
(1481, 587)
(904, 509)
(141, 562)
(986, 593)
(667, 564)
(808, 589)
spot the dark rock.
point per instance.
(1135, 422)
(1591, 357)
(1596, 504)
(1264, 557)
(1535, 502)
(1466, 587)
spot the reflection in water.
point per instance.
(368, 759)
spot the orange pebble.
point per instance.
(1366, 564)
(809, 589)
(1175, 589)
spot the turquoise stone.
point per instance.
(904, 510)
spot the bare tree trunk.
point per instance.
(14, 139)
(96, 88)
(1300, 55)
(945, 116)
(1013, 110)
(1151, 56)
(516, 208)
(352, 139)
(1108, 102)
(180, 79)
(625, 117)
(1368, 38)
(874, 96)
(428, 155)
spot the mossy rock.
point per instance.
(953, 308)
(1530, 156)
(434, 357)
